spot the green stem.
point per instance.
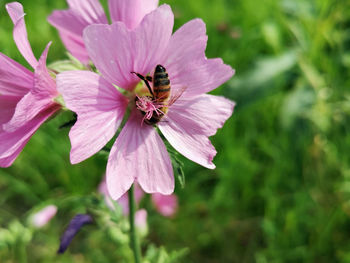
(21, 252)
(134, 242)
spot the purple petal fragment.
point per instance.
(73, 228)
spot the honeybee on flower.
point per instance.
(155, 106)
(139, 153)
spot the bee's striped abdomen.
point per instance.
(161, 84)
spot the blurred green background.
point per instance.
(281, 189)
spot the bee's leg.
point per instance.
(139, 75)
(145, 79)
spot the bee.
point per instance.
(160, 98)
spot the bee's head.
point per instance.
(160, 69)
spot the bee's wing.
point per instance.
(176, 96)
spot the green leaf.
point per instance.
(178, 255)
(160, 255)
(176, 162)
(178, 167)
(66, 65)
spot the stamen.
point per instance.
(148, 106)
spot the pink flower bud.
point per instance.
(141, 220)
(166, 205)
(42, 217)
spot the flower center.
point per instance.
(149, 108)
(153, 102)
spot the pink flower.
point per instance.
(166, 205)
(81, 13)
(42, 217)
(26, 98)
(139, 153)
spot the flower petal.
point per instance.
(130, 12)
(45, 86)
(15, 10)
(7, 108)
(187, 64)
(139, 153)
(188, 141)
(206, 111)
(11, 144)
(186, 45)
(40, 97)
(75, 45)
(201, 76)
(88, 11)
(71, 23)
(26, 109)
(100, 108)
(190, 122)
(15, 80)
(117, 51)
(79, 15)
(8, 161)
